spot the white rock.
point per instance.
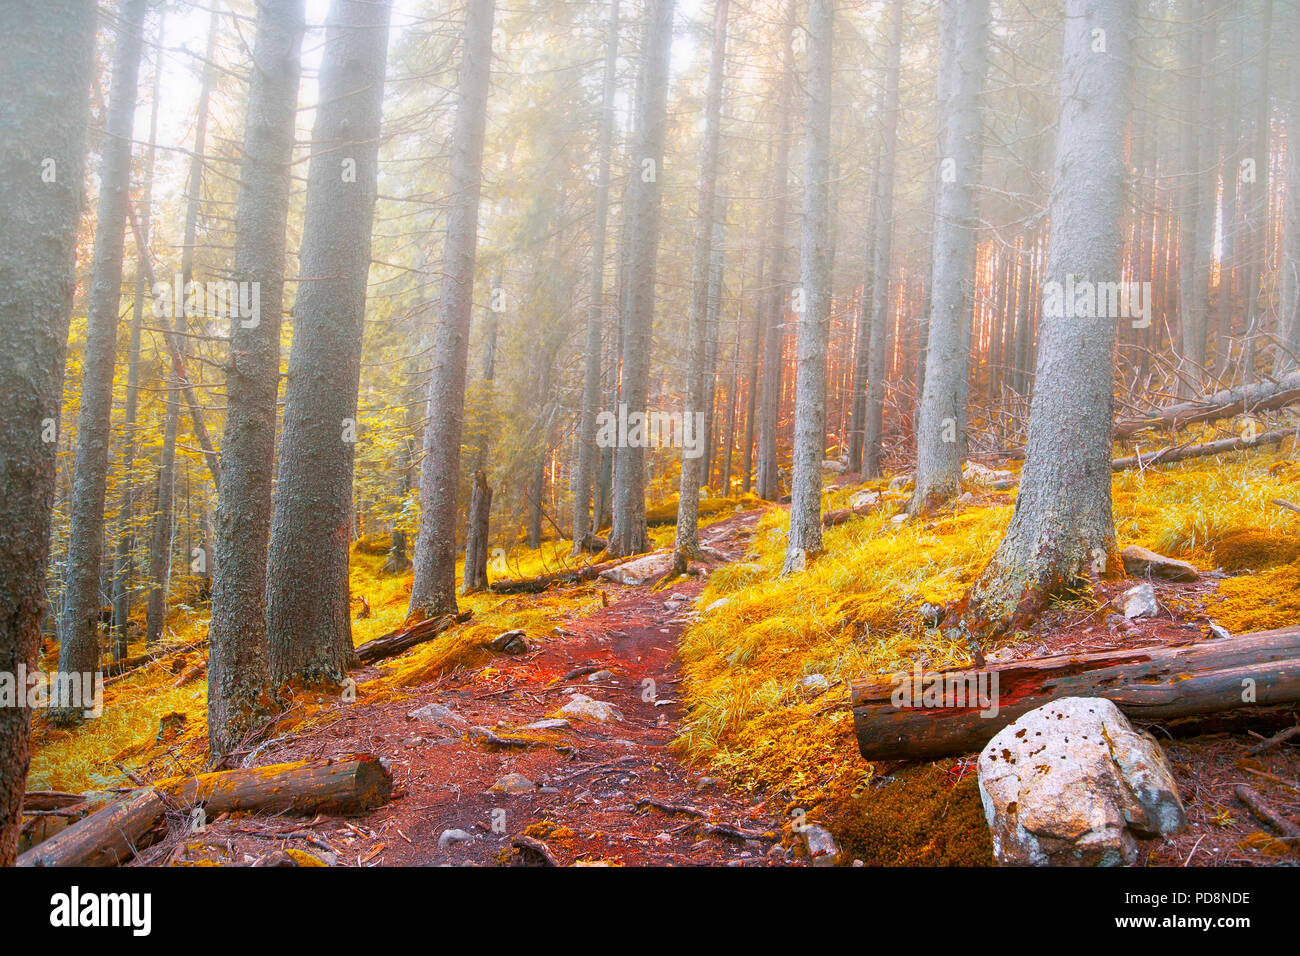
(833, 466)
(549, 723)
(1138, 602)
(453, 836)
(814, 682)
(584, 708)
(979, 474)
(641, 571)
(599, 676)
(719, 603)
(440, 715)
(899, 482)
(863, 499)
(1072, 783)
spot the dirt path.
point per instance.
(595, 792)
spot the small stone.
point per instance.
(453, 836)
(899, 518)
(1141, 563)
(663, 838)
(548, 723)
(510, 642)
(1219, 631)
(814, 683)
(821, 846)
(585, 708)
(932, 614)
(599, 676)
(899, 482)
(438, 714)
(514, 783)
(864, 499)
(716, 605)
(1139, 602)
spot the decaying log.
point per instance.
(841, 515)
(1182, 452)
(544, 581)
(1148, 684)
(117, 832)
(404, 638)
(1256, 396)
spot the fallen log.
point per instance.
(544, 581)
(117, 832)
(1265, 812)
(1183, 452)
(395, 642)
(1256, 396)
(840, 515)
(903, 716)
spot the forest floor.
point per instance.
(732, 691)
(594, 792)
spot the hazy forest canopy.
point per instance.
(411, 400)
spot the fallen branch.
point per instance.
(1274, 741)
(395, 642)
(1256, 396)
(120, 830)
(1148, 684)
(1183, 452)
(1265, 812)
(532, 845)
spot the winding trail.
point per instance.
(597, 792)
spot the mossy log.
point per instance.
(116, 833)
(402, 639)
(1149, 684)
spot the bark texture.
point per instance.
(308, 620)
(882, 247)
(805, 538)
(46, 60)
(699, 369)
(433, 590)
(584, 473)
(82, 600)
(1062, 530)
(239, 693)
(628, 532)
(942, 413)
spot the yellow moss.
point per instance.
(303, 858)
(1259, 602)
(1254, 549)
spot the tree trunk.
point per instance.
(882, 316)
(124, 565)
(628, 533)
(1062, 529)
(767, 481)
(46, 45)
(160, 549)
(805, 538)
(1289, 264)
(476, 535)
(433, 590)
(79, 628)
(1195, 222)
(943, 401)
(688, 500)
(308, 619)
(239, 693)
(588, 452)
